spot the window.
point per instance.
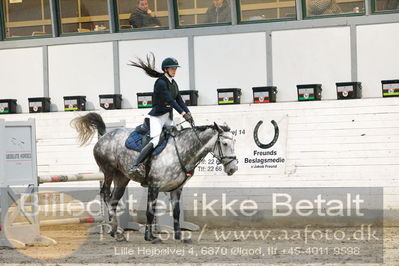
(331, 7)
(386, 5)
(195, 12)
(267, 9)
(143, 14)
(26, 18)
(83, 15)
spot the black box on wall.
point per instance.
(349, 90)
(8, 106)
(390, 88)
(39, 104)
(111, 101)
(265, 94)
(144, 99)
(309, 92)
(229, 96)
(190, 97)
(74, 103)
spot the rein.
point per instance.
(219, 158)
(191, 172)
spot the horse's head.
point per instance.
(224, 149)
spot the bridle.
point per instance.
(220, 157)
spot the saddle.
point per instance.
(141, 137)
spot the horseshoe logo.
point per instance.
(275, 138)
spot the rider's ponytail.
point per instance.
(148, 67)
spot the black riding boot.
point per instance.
(138, 169)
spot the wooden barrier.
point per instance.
(71, 177)
(77, 220)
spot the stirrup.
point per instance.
(137, 171)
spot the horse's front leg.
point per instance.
(151, 207)
(175, 198)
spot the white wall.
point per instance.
(80, 69)
(331, 143)
(310, 56)
(134, 80)
(229, 61)
(378, 56)
(352, 143)
(21, 75)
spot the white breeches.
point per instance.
(156, 124)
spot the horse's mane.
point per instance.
(202, 128)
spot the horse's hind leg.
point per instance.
(151, 206)
(120, 184)
(105, 193)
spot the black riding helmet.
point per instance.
(169, 62)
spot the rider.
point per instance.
(166, 97)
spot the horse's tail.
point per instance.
(87, 125)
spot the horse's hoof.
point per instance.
(106, 228)
(148, 237)
(116, 232)
(178, 236)
(187, 241)
(156, 241)
(120, 238)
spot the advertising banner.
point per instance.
(260, 147)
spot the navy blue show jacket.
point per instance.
(167, 97)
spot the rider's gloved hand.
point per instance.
(188, 117)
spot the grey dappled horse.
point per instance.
(167, 172)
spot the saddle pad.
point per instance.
(133, 142)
